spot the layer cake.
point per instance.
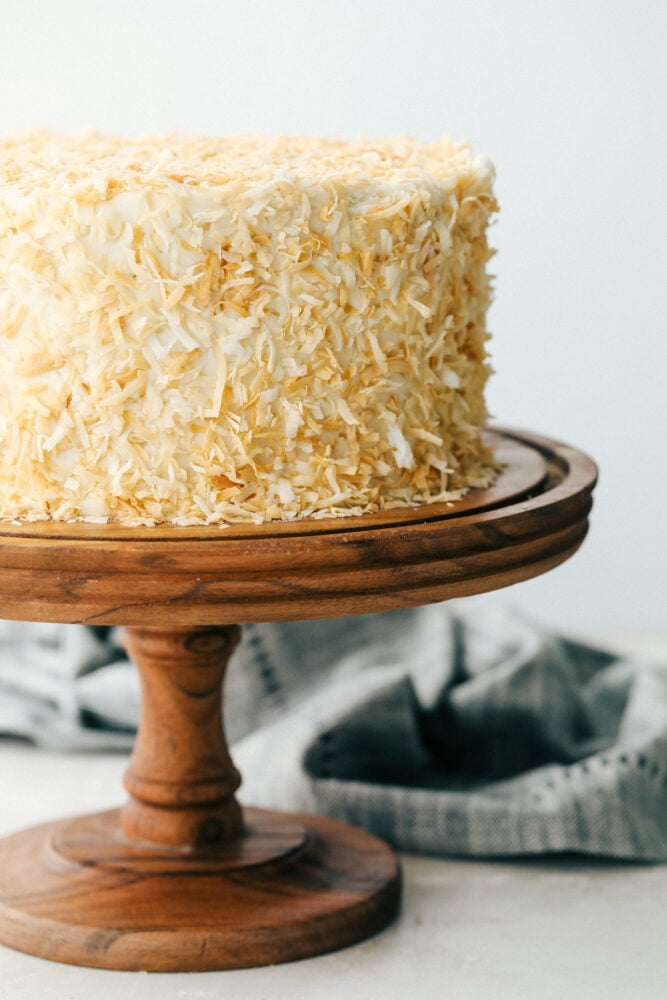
(200, 330)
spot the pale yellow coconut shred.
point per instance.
(233, 330)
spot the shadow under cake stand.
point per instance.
(182, 878)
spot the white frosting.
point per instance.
(200, 330)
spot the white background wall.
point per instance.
(567, 97)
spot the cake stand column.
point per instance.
(181, 879)
(181, 779)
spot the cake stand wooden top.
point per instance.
(533, 518)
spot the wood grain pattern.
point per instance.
(533, 518)
(181, 878)
(76, 896)
(181, 779)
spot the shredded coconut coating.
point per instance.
(246, 329)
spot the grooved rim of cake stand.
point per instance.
(532, 519)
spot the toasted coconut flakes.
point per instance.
(346, 413)
(402, 450)
(422, 309)
(302, 317)
(424, 435)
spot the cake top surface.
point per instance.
(27, 159)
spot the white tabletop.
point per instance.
(552, 928)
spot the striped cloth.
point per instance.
(450, 729)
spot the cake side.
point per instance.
(235, 330)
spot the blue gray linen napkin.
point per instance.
(450, 729)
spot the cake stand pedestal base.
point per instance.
(294, 886)
(182, 878)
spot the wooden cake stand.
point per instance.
(182, 878)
